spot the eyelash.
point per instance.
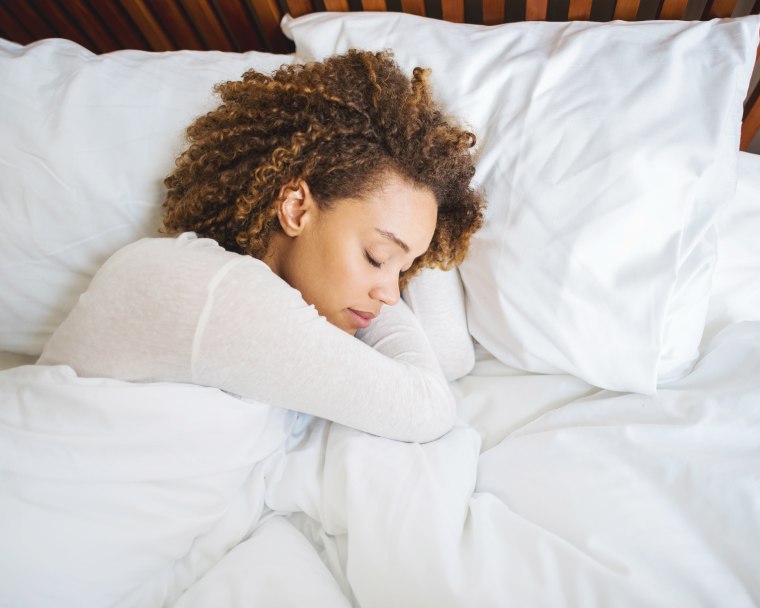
(372, 261)
(377, 264)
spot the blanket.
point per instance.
(549, 492)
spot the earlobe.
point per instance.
(293, 207)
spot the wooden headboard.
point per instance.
(242, 25)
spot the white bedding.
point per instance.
(549, 493)
(608, 500)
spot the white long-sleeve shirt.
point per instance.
(186, 310)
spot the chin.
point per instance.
(350, 330)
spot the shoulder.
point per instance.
(196, 268)
(177, 259)
(186, 246)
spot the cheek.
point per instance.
(353, 270)
(352, 276)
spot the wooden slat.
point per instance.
(31, 21)
(241, 25)
(336, 5)
(61, 23)
(751, 120)
(119, 25)
(268, 14)
(720, 8)
(413, 7)
(648, 9)
(580, 10)
(149, 27)
(694, 10)
(281, 4)
(12, 29)
(177, 26)
(706, 10)
(602, 10)
(626, 10)
(207, 24)
(374, 5)
(453, 10)
(535, 10)
(299, 7)
(493, 12)
(83, 15)
(673, 9)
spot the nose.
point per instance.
(387, 291)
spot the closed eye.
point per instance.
(371, 260)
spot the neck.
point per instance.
(271, 257)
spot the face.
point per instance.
(347, 260)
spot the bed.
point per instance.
(607, 451)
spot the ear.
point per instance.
(295, 207)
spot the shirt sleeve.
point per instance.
(437, 299)
(186, 310)
(257, 337)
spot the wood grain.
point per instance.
(148, 25)
(626, 10)
(673, 9)
(12, 29)
(240, 24)
(493, 12)
(452, 10)
(580, 10)
(119, 25)
(208, 25)
(415, 7)
(720, 8)
(535, 10)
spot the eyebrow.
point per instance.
(392, 237)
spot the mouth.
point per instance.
(361, 318)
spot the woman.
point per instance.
(337, 181)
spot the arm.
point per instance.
(186, 310)
(437, 299)
(389, 384)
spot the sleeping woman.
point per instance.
(301, 207)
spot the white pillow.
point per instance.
(606, 151)
(735, 295)
(86, 143)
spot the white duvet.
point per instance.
(549, 493)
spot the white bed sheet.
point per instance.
(554, 494)
(550, 492)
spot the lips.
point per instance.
(361, 318)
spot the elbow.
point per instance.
(442, 418)
(438, 431)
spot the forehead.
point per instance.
(397, 207)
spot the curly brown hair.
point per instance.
(341, 125)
